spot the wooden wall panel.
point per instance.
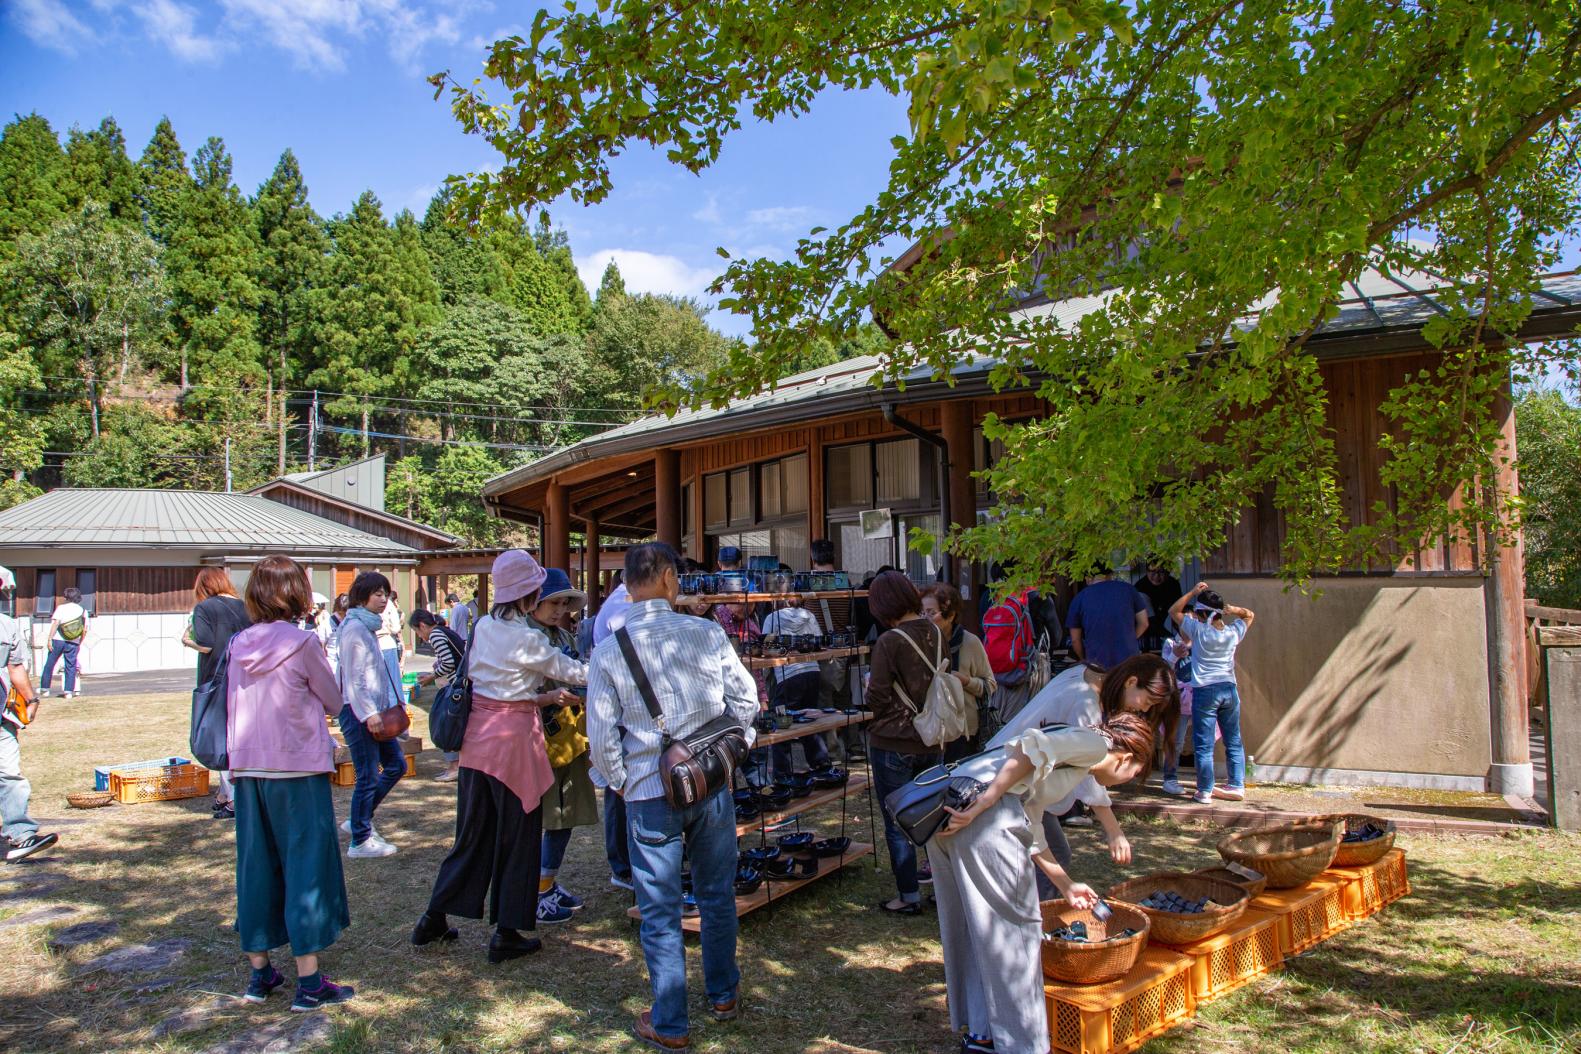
(144, 590)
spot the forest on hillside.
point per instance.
(159, 327)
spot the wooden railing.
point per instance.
(1545, 625)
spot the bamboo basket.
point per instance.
(1290, 854)
(1097, 962)
(1360, 854)
(89, 799)
(1254, 882)
(1172, 927)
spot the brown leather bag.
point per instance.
(393, 721)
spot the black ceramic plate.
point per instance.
(799, 840)
(831, 846)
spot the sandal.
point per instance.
(904, 909)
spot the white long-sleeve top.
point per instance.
(1066, 700)
(696, 676)
(512, 660)
(1061, 759)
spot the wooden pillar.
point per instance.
(1511, 769)
(817, 516)
(667, 496)
(483, 593)
(592, 580)
(1561, 657)
(957, 421)
(699, 546)
(557, 546)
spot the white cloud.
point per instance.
(50, 24)
(782, 217)
(175, 26)
(710, 213)
(646, 272)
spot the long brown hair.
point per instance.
(212, 582)
(1157, 677)
(1132, 734)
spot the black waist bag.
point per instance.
(918, 807)
(694, 766)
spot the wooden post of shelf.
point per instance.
(592, 566)
(557, 546)
(1510, 771)
(667, 496)
(957, 422)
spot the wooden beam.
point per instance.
(667, 496)
(1559, 636)
(621, 508)
(587, 494)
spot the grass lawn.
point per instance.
(1484, 956)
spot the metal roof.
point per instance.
(1384, 311)
(181, 519)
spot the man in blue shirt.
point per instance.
(1105, 620)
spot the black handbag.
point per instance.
(692, 767)
(918, 807)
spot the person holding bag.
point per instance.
(368, 691)
(896, 750)
(505, 768)
(289, 884)
(983, 864)
(571, 801)
(673, 699)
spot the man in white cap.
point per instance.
(21, 838)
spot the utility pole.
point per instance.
(312, 435)
(227, 464)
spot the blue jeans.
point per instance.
(1217, 704)
(392, 662)
(660, 836)
(892, 770)
(1172, 761)
(378, 767)
(14, 788)
(553, 852)
(59, 649)
(798, 693)
(615, 848)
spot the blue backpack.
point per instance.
(209, 710)
(447, 718)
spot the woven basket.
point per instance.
(1360, 854)
(89, 799)
(1254, 882)
(1098, 962)
(1172, 927)
(1290, 854)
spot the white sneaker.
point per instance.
(373, 847)
(373, 832)
(1173, 787)
(1202, 799)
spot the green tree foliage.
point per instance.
(164, 180)
(21, 436)
(87, 290)
(643, 341)
(135, 447)
(1197, 162)
(448, 496)
(1548, 437)
(32, 180)
(98, 169)
(464, 264)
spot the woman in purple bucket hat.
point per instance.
(504, 769)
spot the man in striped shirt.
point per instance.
(696, 676)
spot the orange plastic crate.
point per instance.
(1120, 1016)
(1370, 889)
(1244, 952)
(346, 776)
(165, 783)
(1308, 914)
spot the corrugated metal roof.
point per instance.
(1380, 302)
(180, 519)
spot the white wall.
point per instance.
(124, 644)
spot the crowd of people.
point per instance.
(558, 714)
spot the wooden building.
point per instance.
(1392, 676)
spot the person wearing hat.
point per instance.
(20, 838)
(505, 770)
(729, 558)
(1215, 630)
(572, 801)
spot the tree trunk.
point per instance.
(364, 431)
(93, 402)
(184, 369)
(126, 350)
(280, 454)
(269, 401)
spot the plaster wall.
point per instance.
(1375, 675)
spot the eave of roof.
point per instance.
(287, 483)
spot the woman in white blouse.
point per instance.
(983, 866)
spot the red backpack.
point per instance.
(1008, 639)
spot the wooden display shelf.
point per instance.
(810, 656)
(801, 805)
(773, 598)
(826, 723)
(773, 889)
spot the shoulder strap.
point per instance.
(937, 662)
(640, 675)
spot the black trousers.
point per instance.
(497, 847)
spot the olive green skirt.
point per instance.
(571, 801)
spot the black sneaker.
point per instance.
(261, 985)
(326, 994)
(33, 843)
(224, 811)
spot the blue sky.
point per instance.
(341, 82)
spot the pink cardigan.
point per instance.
(279, 689)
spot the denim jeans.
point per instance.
(392, 662)
(378, 767)
(615, 849)
(706, 834)
(891, 771)
(1217, 704)
(1172, 761)
(14, 788)
(798, 693)
(59, 649)
(553, 854)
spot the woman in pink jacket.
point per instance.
(289, 887)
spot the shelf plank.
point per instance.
(773, 889)
(773, 598)
(826, 723)
(811, 656)
(797, 806)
